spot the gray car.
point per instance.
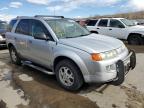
(3, 29)
(60, 46)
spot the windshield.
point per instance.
(66, 28)
(3, 25)
(127, 22)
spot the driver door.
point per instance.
(40, 45)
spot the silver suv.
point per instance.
(60, 46)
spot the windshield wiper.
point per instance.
(76, 36)
(69, 37)
(82, 35)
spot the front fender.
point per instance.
(74, 57)
(138, 32)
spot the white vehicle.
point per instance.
(119, 28)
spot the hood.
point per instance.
(93, 43)
(137, 29)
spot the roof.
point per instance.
(39, 17)
(105, 18)
(112, 18)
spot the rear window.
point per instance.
(92, 22)
(103, 23)
(11, 24)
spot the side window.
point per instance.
(11, 24)
(116, 23)
(103, 23)
(23, 27)
(92, 22)
(38, 28)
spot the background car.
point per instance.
(118, 28)
(135, 22)
(3, 29)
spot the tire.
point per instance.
(14, 56)
(134, 40)
(71, 81)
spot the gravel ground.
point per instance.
(24, 87)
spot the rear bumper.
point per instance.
(122, 67)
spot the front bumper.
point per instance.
(122, 67)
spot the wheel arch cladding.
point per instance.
(132, 34)
(78, 64)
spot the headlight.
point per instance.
(104, 55)
(108, 54)
(121, 49)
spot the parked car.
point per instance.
(3, 29)
(82, 22)
(140, 22)
(60, 46)
(135, 22)
(118, 28)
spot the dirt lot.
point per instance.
(24, 87)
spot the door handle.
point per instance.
(98, 28)
(15, 38)
(110, 29)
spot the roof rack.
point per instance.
(21, 16)
(49, 16)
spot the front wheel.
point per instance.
(68, 75)
(14, 56)
(135, 40)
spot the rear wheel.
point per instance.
(68, 75)
(134, 40)
(14, 56)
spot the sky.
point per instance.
(68, 8)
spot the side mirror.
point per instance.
(121, 26)
(40, 36)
